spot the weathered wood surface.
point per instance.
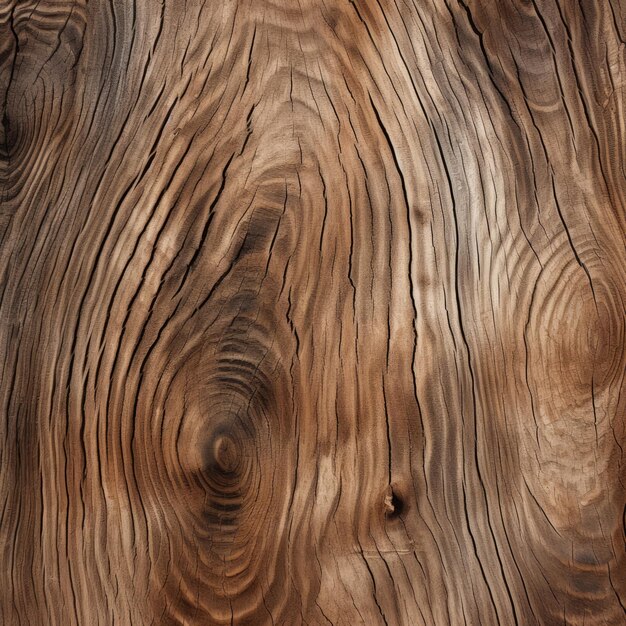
(312, 312)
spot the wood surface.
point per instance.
(312, 312)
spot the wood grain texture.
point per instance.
(312, 312)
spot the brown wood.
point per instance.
(312, 312)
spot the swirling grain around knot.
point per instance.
(229, 459)
(575, 338)
(42, 44)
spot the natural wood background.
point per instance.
(312, 312)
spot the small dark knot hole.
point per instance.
(394, 505)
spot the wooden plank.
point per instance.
(312, 312)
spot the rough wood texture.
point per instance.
(312, 312)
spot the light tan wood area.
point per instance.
(312, 312)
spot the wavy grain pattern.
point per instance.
(312, 312)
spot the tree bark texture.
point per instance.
(312, 312)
